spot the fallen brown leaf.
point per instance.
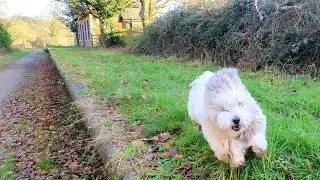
(74, 166)
(285, 170)
(160, 138)
(179, 157)
(150, 156)
(171, 153)
(184, 168)
(145, 81)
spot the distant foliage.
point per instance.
(288, 36)
(5, 39)
(35, 32)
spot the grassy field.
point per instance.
(14, 55)
(153, 91)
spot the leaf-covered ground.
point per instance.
(41, 132)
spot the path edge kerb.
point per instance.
(105, 149)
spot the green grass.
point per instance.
(12, 56)
(45, 164)
(154, 91)
(7, 166)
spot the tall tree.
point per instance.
(5, 39)
(149, 9)
(256, 4)
(104, 9)
(20, 31)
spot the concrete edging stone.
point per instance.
(104, 149)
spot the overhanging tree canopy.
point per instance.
(105, 9)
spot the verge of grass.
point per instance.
(7, 166)
(13, 55)
(153, 91)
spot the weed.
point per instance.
(45, 164)
(23, 126)
(7, 167)
(7, 146)
(10, 126)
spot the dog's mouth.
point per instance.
(236, 127)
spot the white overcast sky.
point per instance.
(35, 8)
(31, 8)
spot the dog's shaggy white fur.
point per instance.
(230, 119)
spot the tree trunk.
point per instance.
(144, 12)
(102, 33)
(149, 9)
(256, 4)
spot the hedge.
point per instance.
(287, 36)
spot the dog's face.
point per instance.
(230, 105)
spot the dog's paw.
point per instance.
(237, 162)
(259, 152)
(223, 157)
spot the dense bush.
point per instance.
(123, 38)
(5, 39)
(288, 36)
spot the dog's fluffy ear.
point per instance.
(224, 78)
(231, 73)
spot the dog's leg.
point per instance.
(219, 147)
(259, 145)
(222, 156)
(237, 153)
(221, 150)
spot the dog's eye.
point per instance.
(225, 109)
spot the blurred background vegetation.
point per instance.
(249, 34)
(20, 31)
(27, 32)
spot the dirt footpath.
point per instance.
(42, 135)
(11, 76)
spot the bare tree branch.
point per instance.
(256, 4)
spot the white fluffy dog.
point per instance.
(230, 119)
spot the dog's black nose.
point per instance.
(236, 120)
